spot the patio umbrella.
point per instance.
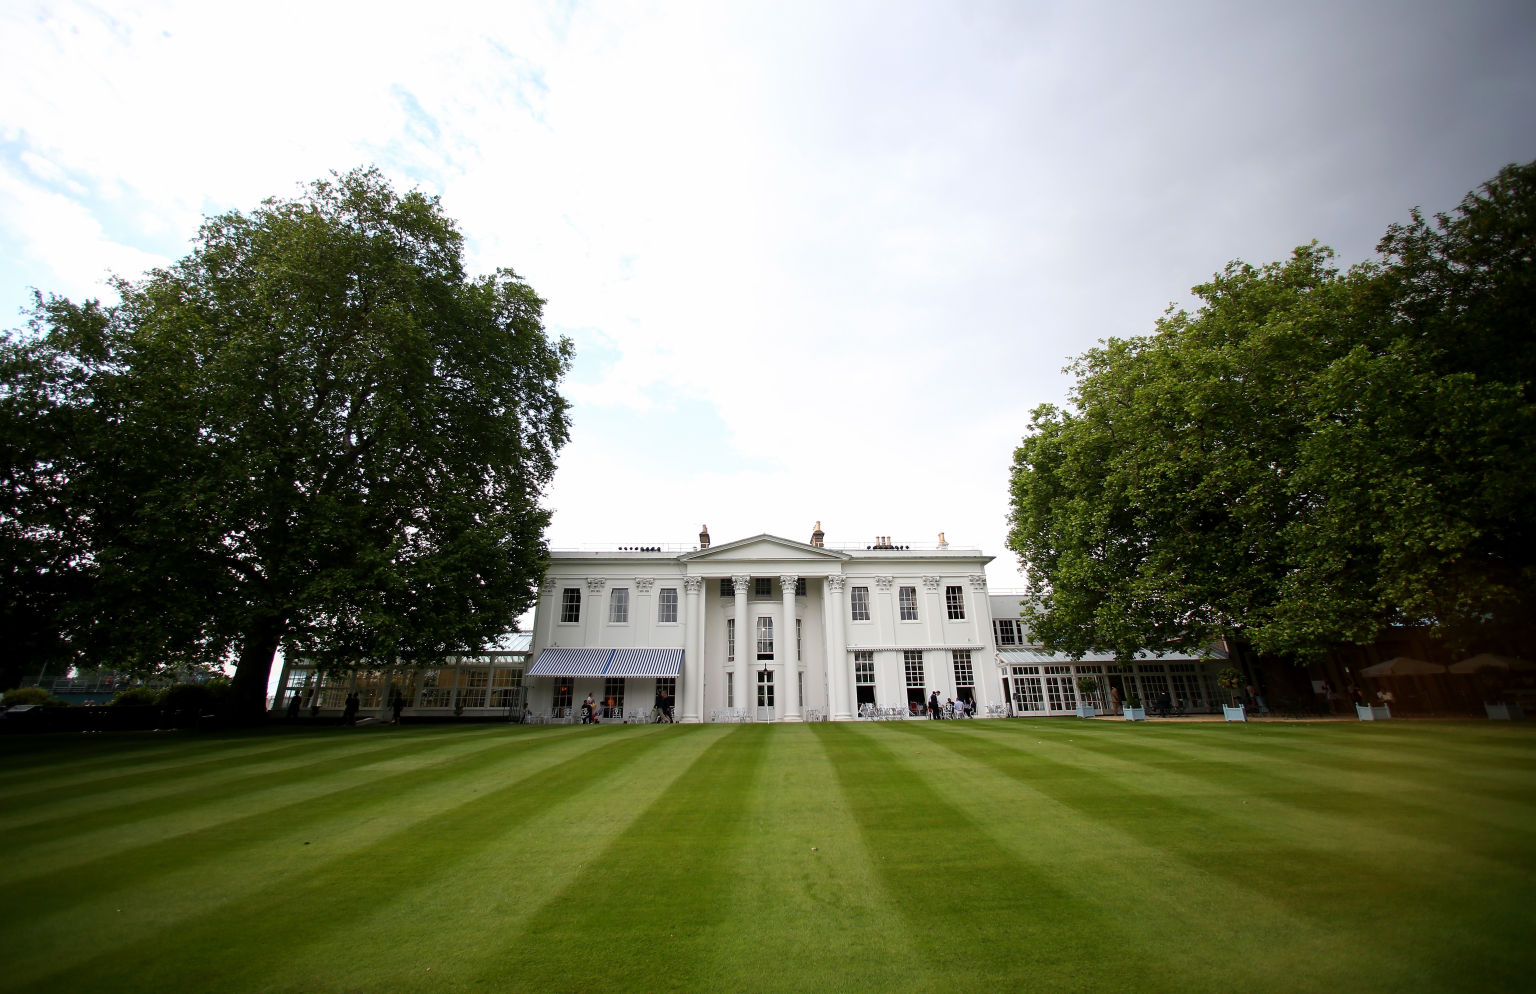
(1403, 666)
(1488, 661)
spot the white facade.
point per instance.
(768, 629)
(1039, 682)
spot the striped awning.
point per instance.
(608, 662)
(646, 662)
(570, 662)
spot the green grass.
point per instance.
(1044, 855)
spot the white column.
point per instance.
(746, 647)
(839, 679)
(693, 655)
(985, 662)
(642, 615)
(790, 653)
(933, 606)
(597, 611)
(280, 699)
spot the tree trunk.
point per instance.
(258, 647)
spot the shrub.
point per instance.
(135, 697)
(32, 695)
(197, 698)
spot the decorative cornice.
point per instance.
(595, 584)
(693, 584)
(643, 583)
(742, 582)
(916, 648)
(884, 582)
(788, 581)
(835, 582)
(978, 582)
(932, 583)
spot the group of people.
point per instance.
(592, 713)
(963, 708)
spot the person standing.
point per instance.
(396, 705)
(933, 706)
(349, 713)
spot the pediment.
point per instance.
(765, 546)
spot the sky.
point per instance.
(819, 261)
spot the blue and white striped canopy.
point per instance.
(645, 662)
(570, 662)
(607, 662)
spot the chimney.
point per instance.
(942, 544)
(704, 538)
(818, 537)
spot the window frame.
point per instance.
(954, 602)
(570, 607)
(858, 604)
(663, 602)
(906, 601)
(618, 606)
(911, 658)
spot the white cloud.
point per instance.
(832, 253)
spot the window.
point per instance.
(476, 681)
(762, 586)
(1005, 630)
(666, 606)
(506, 688)
(913, 658)
(764, 638)
(562, 696)
(730, 641)
(864, 677)
(954, 599)
(908, 598)
(668, 686)
(730, 690)
(800, 587)
(727, 587)
(962, 660)
(570, 605)
(799, 654)
(858, 603)
(613, 692)
(765, 688)
(965, 681)
(618, 606)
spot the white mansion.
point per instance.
(770, 629)
(763, 629)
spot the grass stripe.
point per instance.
(1047, 855)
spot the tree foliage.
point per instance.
(315, 431)
(1308, 458)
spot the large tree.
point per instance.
(314, 432)
(1308, 458)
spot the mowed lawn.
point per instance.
(1036, 855)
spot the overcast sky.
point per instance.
(819, 260)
